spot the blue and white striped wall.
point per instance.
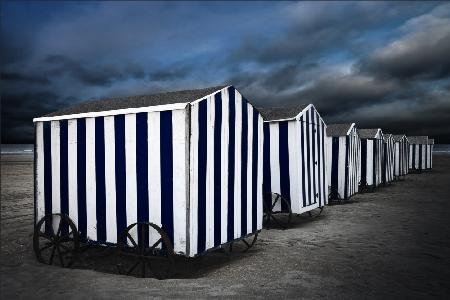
(294, 161)
(389, 155)
(225, 170)
(418, 154)
(343, 164)
(372, 154)
(193, 169)
(429, 156)
(401, 153)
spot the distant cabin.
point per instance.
(343, 160)
(401, 153)
(429, 161)
(418, 152)
(372, 152)
(294, 157)
(389, 154)
(188, 161)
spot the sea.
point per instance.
(29, 148)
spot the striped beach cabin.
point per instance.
(429, 161)
(294, 157)
(389, 154)
(418, 154)
(372, 157)
(401, 153)
(343, 160)
(188, 161)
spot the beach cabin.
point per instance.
(189, 162)
(372, 157)
(418, 154)
(389, 154)
(294, 158)
(429, 161)
(343, 160)
(401, 152)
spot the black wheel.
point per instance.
(270, 200)
(56, 240)
(250, 242)
(316, 212)
(145, 257)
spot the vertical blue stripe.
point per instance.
(335, 168)
(142, 173)
(217, 167)
(81, 177)
(231, 158)
(47, 171)
(363, 162)
(347, 158)
(166, 133)
(244, 154)
(202, 163)
(267, 185)
(302, 135)
(120, 169)
(314, 162)
(64, 171)
(319, 160)
(283, 154)
(255, 170)
(100, 190)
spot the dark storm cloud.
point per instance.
(422, 53)
(90, 74)
(19, 109)
(377, 63)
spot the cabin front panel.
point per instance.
(344, 165)
(111, 171)
(225, 170)
(389, 155)
(294, 162)
(417, 158)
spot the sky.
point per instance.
(378, 64)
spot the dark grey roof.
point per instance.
(421, 139)
(338, 129)
(387, 136)
(368, 133)
(185, 96)
(430, 141)
(398, 137)
(280, 113)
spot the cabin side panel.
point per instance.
(109, 172)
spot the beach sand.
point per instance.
(394, 243)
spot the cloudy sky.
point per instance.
(377, 64)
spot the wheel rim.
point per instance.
(145, 256)
(269, 215)
(56, 240)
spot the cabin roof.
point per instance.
(281, 113)
(398, 137)
(387, 136)
(185, 96)
(368, 133)
(339, 129)
(421, 139)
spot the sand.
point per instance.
(394, 243)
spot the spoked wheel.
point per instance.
(56, 240)
(152, 253)
(271, 199)
(314, 213)
(248, 242)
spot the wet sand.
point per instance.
(394, 243)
